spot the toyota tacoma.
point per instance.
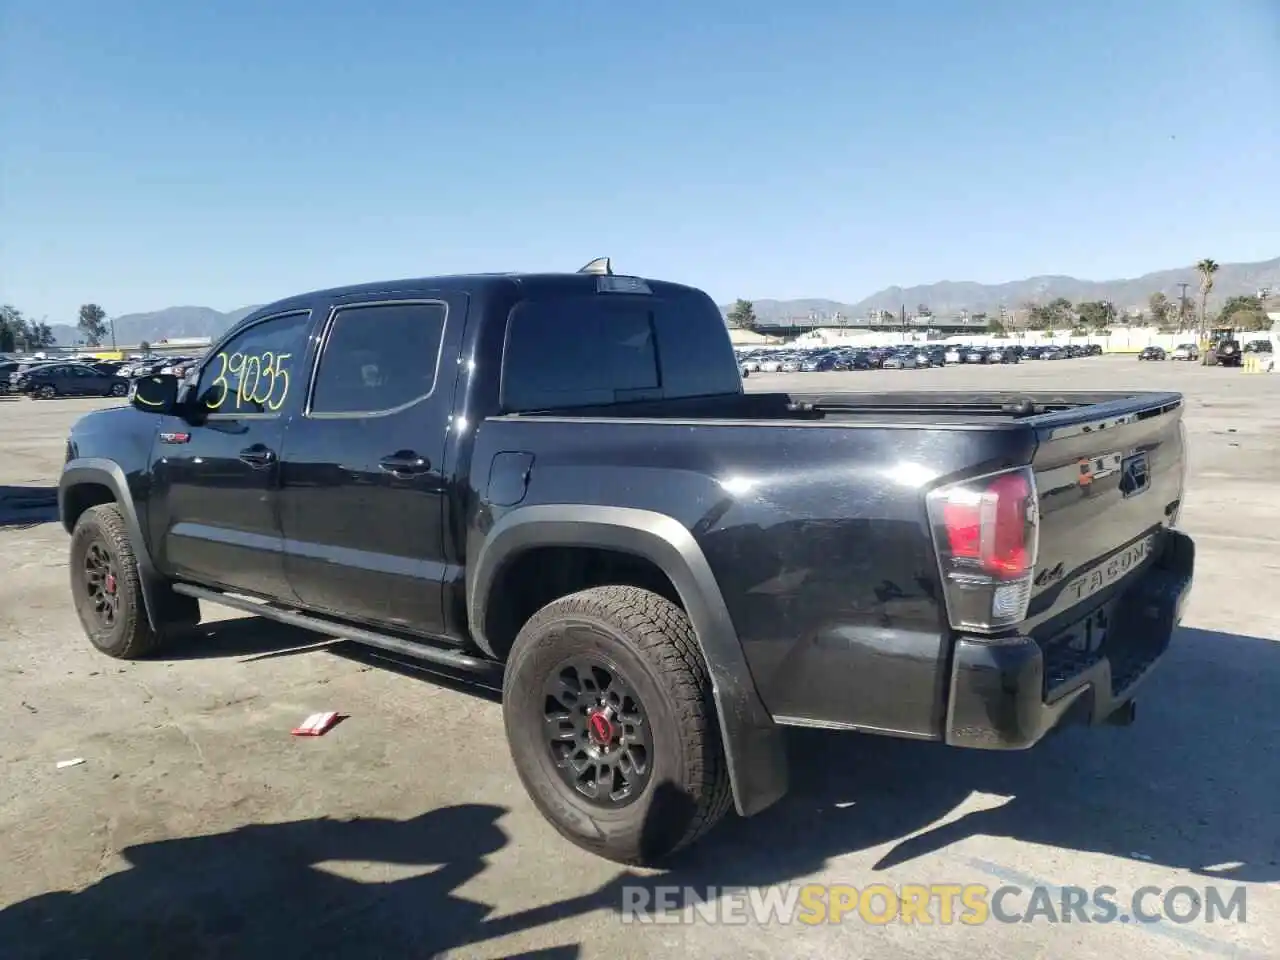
(561, 481)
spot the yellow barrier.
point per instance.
(1252, 363)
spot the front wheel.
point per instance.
(47, 392)
(119, 390)
(106, 587)
(609, 718)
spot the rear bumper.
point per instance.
(1007, 694)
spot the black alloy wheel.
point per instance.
(597, 731)
(610, 717)
(102, 584)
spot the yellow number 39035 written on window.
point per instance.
(262, 381)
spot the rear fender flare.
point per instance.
(107, 473)
(754, 748)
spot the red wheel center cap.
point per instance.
(111, 583)
(600, 727)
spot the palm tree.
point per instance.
(1206, 269)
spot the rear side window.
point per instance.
(601, 349)
(379, 357)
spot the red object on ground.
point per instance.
(317, 725)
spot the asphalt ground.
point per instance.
(198, 827)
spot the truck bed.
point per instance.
(879, 409)
(811, 511)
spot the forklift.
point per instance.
(1221, 349)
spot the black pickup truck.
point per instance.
(560, 480)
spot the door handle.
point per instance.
(405, 463)
(258, 456)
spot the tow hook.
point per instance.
(1125, 715)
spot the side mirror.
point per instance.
(158, 394)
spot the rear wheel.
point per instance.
(611, 726)
(48, 391)
(119, 390)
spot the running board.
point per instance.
(418, 651)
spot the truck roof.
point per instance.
(532, 283)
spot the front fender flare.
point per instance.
(108, 473)
(754, 748)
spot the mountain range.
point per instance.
(132, 329)
(944, 298)
(949, 297)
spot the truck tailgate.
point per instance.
(1109, 480)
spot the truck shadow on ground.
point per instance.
(261, 891)
(1191, 786)
(27, 506)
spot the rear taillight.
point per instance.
(986, 533)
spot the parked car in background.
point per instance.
(1153, 353)
(19, 373)
(899, 360)
(824, 363)
(1002, 355)
(1258, 346)
(72, 380)
(7, 369)
(859, 360)
(1186, 351)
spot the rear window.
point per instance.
(604, 348)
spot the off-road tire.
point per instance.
(652, 643)
(131, 636)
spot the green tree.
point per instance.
(1206, 269)
(93, 324)
(1057, 314)
(1161, 309)
(743, 315)
(1096, 314)
(41, 335)
(12, 328)
(1244, 313)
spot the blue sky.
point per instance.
(155, 153)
